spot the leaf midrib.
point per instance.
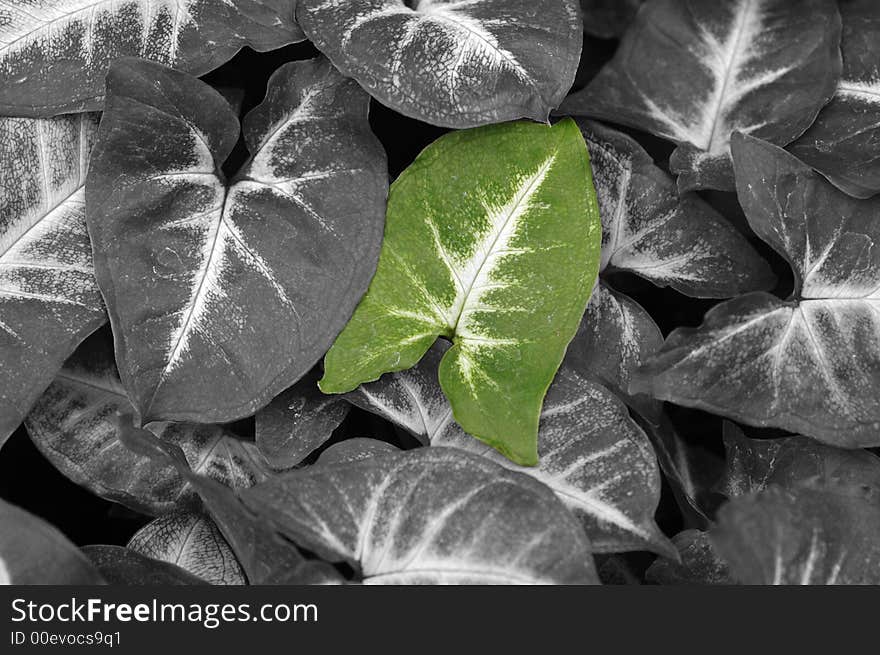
(524, 197)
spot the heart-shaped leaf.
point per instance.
(295, 423)
(49, 300)
(694, 72)
(54, 53)
(754, 464)
(123, 566)
(428, 516)
(591, 454)
(699, 563)
(34, 552)
(493, 241)
(456, 64)
(844, 142)
(74, 425)
(803, 536)
(811, 364)
(192, 542)
(266, 557)
(670, 239)
(221, 296)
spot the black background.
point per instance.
(30, 481)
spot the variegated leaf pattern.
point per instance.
(123, 566)
(806, 536)
(764, 67)
(32, 552)
(596, 459)
(844, 142)
(455, 63)
(411, 399)
(754, 464)
(49, 300)
(591, 454)
(615, 338)
(192, 542)
(297, 422)
(652, 231)
(265, 557)
(54, 54)
(811, 364)
(492, 240)
(428, 516)
(74, 425)
(222, 296)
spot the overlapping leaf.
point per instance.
(493, 241)
(354, 450)
(451, 62)
(698, 563)
(74, 425)
(805, 536)
(34, 552)
(754, 464)
(844, 142)
(428, 516)
(615, 337)
(222, 296)
(192, 542)
(694, 72)
(591, 454)
(811, 364)
(652, 231)
(49, 300)
(298, 421)
(123, 566)
(54, 53)
(265, 556)
(412, 398)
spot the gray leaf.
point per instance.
(266, 557)
(354, 450)
(694, 72)
(754, 464)
(49, 300)
(33, 552)
(123, 566)
(810, 365)
(455, 63)
(221, 296)
(297, 422)
(54, 53)
(591, 453)
(699, 565)
(670, 239)
(844, 142)
(74, 425)
(192, 542)
(428, 516)
(615, 337)
(803, 537)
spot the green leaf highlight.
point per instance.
(492, 240)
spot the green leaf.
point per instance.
(492, 240)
